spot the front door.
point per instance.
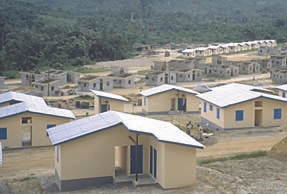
(181, 104)
(105, 107)
(133, 159)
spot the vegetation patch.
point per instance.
(241, 156)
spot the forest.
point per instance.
(40, 34)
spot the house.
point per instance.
(25, 118)
(248, 67)
(282, 90)
(45, 87)
(189, 52)
(91, 82)
(104, 101)
(188, 75)
(267, 50)
(2, 82)
(107, 147)
(265, 65)
(169, 98)
(279, 76)
(123, 80)
(159, 78)
(278, 61)
(225, 71)
(28, 79)
(237, 106)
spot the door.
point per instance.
(258, 118)
(105, 107)
(133, 159)
(26, 135)
(153, 162)
(181, 104)
(101, 85)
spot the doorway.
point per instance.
(258, 118)
(172, 104)
(136, 165)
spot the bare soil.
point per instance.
(32, 170)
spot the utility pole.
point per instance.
(49, 82)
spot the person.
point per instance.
(200, 131)
(189, 126)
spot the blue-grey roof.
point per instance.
(16, 96)
(29, 103)
(282, 87)
(234, 93)
(109, 95)
(161, 130)
(164, 88)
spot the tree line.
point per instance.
(41, 34)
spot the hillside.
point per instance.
(41, 34)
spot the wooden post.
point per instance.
(137, 143)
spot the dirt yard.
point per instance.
(31, 170)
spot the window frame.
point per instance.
(3, 133)
(277, 113)
(239, 115)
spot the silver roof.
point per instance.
(1, 154)
(8, 96)
(163, 131)
(164, 88)
(109, 95)
(282, 87)
(34, 108)
(234, 93)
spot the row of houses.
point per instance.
(115, 144)
(60, 83)
(224, 48)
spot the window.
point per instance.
(3, 133)
(277, 113)
(171, 77)
(210, 107)
(52, 88)
(26, 120)
(108, 83)
(204, 107)
(283, 94)
(130, 82)
(217, 113)
(239, 115)
(94, 85)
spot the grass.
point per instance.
(241, 156)
(143, 72)
(91, 70)
(26, 178)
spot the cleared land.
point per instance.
(32, 170)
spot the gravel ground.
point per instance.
(255, 175)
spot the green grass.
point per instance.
(26, 178)
(91, 70)
(235, 157)
(143, 72)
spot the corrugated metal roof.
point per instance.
(1, 154)
(164, 88)
(282, 87)
(231, 94)
(161, 130)
(8, 96)
(109, 95)
(34, 108)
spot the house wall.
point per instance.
(154, 79)
(162, 102)
(98, 168)
(39, 123)
(42, 89)
(180, 166)
(227, 115)
(86, 86)
(280, 93)
(127, 82)
(115, 105)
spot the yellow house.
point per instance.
(282, 90)
(24, 120)
(114, 147)
(104, 101)
(169, 98)
(242, 106)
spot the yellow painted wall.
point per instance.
(180, 166)
(115, 105)
(39, 123)
(280, 92)
(98, 151)
(162, 102)
(227, 115)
